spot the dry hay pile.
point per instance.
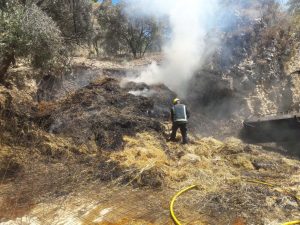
(103, 113)
(161, 95)
(52, 147)
(224, 173)
(49, 148)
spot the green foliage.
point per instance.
(26, 31)
(11, 29)
(110, 22)
(44, 38)
(41, 31)
(123, 33)
(73, 17)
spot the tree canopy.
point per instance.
(27, 31)
(44, 31)
(122, 32)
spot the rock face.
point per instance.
(250, 74)
(291, 92)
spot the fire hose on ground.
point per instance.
(177, 222)
(292, 223)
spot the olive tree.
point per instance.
(122, 32)
(73, 17)
(26, 31)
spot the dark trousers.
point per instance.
(183, 130)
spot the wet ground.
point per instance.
(103, 206)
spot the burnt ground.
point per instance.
(50, 147)
(106, 134)
(104, 112)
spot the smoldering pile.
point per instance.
(161, 95)
(102, 112)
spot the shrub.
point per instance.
(126, 33)
(26, 31)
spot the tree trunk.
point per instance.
(74, 17)
(4, 65)
(145, 49)
(133, 50)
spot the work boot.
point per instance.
(185, 141)
(171, 139)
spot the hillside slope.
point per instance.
(99, 155)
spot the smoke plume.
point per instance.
(187, 46)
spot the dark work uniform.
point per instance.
(179, 116)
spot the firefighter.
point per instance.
(179, 117)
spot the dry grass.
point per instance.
(54, 166)
(141, 151)
(218, 168)
(221, 170)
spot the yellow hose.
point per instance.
(177, 222)
(292, 223)
(260, 182)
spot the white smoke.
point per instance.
(145, 92)
(186, 48)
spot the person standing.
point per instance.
(179, 117)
